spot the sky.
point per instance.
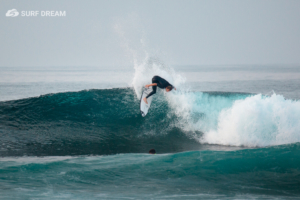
(113, 33)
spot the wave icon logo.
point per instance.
(12, 13)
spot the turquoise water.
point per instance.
(250, 173)
(238, 142)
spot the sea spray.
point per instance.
(146, 65)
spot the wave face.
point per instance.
(108, 122)
(87, 122)
(267, 173)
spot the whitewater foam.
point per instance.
(257, 121)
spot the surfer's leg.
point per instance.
(154, 80)
(150, 94)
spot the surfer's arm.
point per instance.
(153, 84)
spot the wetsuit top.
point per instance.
(161, 83)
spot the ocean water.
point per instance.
(227, 132)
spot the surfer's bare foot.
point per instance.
(145, 99)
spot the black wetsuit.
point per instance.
(161, 83)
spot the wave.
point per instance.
(108, 122)
(260, 173)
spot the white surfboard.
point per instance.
(143, 106)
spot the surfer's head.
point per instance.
(169, 88)
(152, 151)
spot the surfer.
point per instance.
(161, 83)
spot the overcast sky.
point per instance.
(106, 33)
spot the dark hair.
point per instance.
(169, 87)
(152, 151)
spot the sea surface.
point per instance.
(227, 132)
